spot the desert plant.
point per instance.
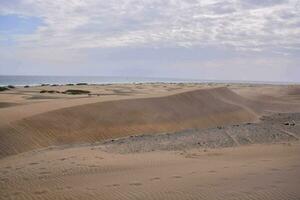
(49, 91)
(76, 92)
(44, 84)
(3, 88)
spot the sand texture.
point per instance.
(151, 141)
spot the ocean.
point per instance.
(37, 80)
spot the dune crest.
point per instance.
(104, 120)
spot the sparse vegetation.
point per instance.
(11, 86)
(81, 84)
(26, 86)
(76, 92)
(69, 84)
(3, 88)
(49, 91)
(44, 84)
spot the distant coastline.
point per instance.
(21, 80)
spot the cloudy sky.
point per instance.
(256, 40)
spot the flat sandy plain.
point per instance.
(151, 141)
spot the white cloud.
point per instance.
(76, 24)
(222, 39)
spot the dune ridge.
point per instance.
(97, 121)
(104, 120)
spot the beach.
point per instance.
(150, 141)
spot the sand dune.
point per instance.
(98, 121)
(45, 150)
(92, 122)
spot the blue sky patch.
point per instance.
(13, 24)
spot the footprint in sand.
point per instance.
(212, 171)
(44, 173)
(135, 184)
(213, 185)
(176, 176)
(40, 192)
(16, 193)
(113, 185)
(274, 169)
(93, 166)
(34, 163)
(69, 187)
(4, 180)
(155, 179)
(265, 160)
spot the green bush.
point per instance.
(76, 92)
(3, 88)
(49, 91)
(11, 86)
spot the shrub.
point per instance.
(11, 86)
(69, 84)
(26, 86)
(49, 91)
(3, 88)
(81, 84)
(45, 84)
(76, 92)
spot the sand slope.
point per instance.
(70, 123)
(187, 168)
(103, 120)
(87, 173)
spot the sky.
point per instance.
(256, 40)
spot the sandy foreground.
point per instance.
(252, 172)
(151, 141)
